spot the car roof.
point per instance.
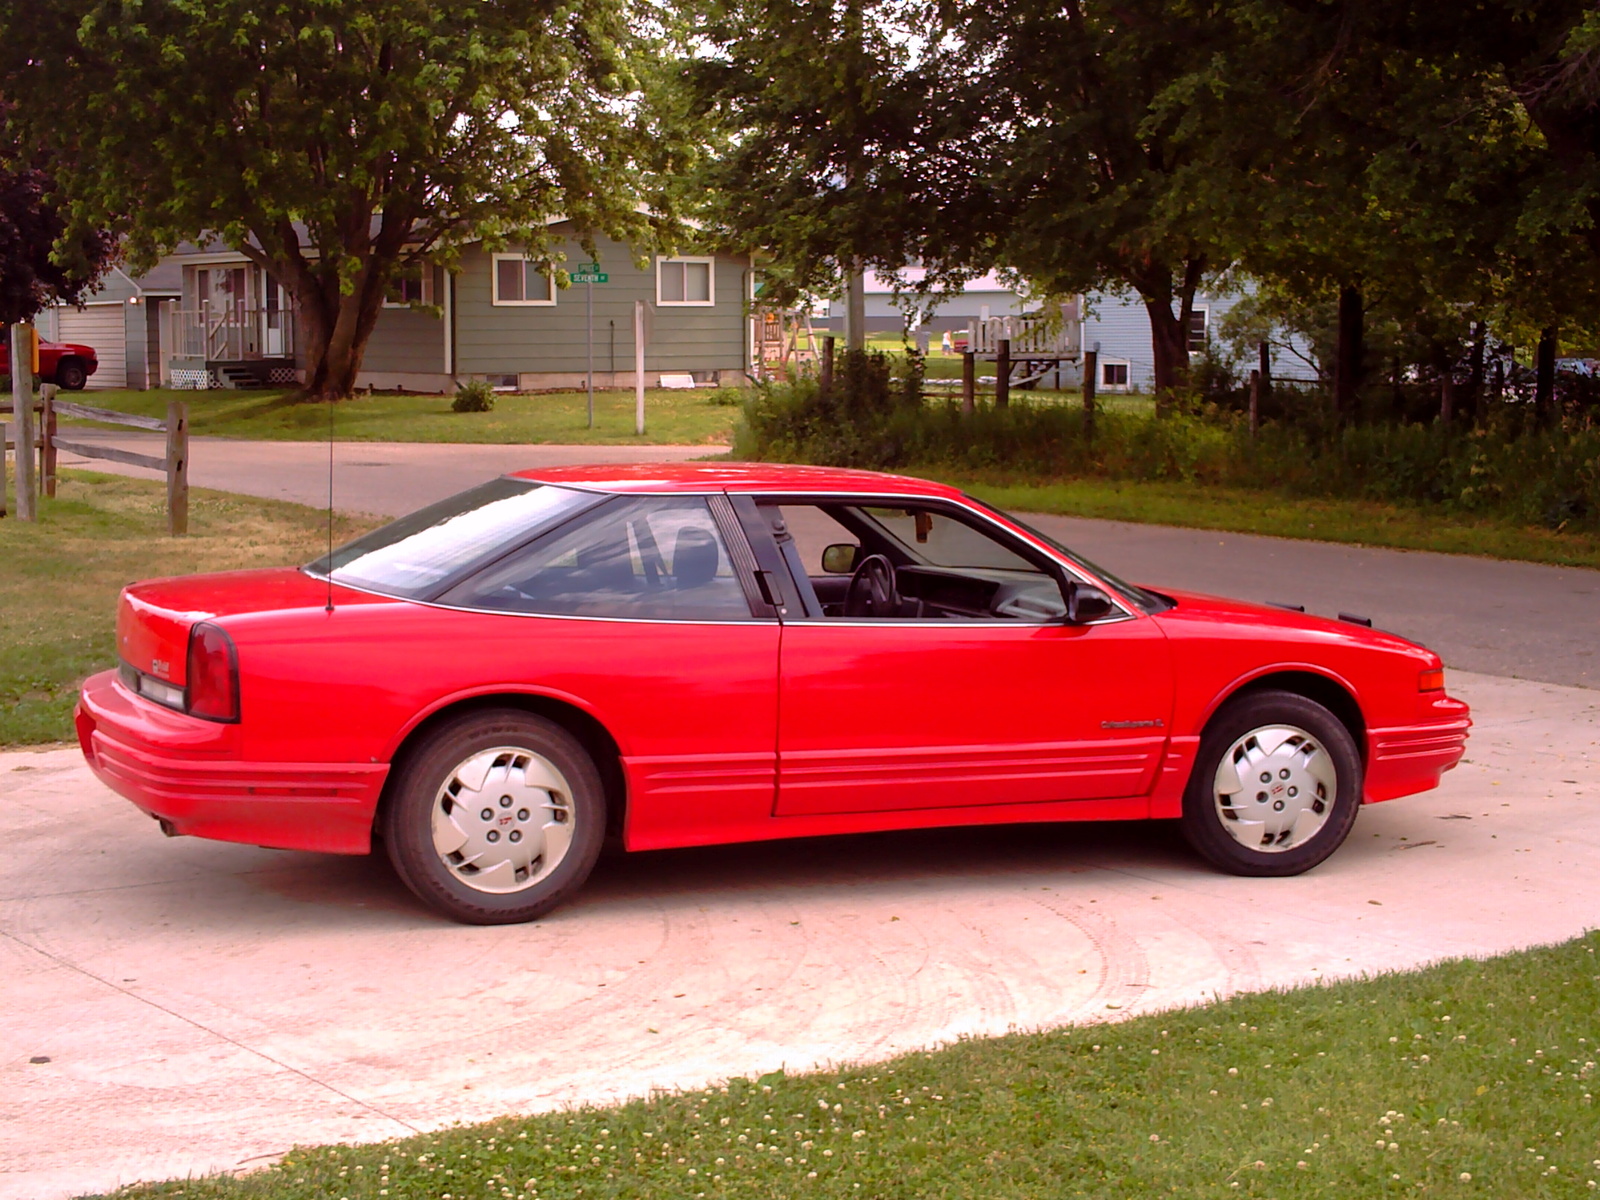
(735, 477)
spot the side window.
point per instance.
(652, 558)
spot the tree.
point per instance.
(38, 266)
(829, 137)
(335, 145)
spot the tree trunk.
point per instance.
(1544, 386)
(1475, 377)
(1169, 332)
(1349, 354)
(337, 329)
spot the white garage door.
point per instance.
(100, 326)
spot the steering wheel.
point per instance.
(872, 591)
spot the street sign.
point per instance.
(588, 273)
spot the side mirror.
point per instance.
(840, 558)
(1086, 603)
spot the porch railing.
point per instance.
(1030, 337)
(233, 334)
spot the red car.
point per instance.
(65, 364)
(687, 655)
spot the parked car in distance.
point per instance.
(696, 654)
(68, 365)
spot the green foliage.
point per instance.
(337, 144)
(474, 396)
(1504, 469)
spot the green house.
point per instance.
(226, 322)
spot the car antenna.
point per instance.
(329, 575)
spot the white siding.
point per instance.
(103, 327)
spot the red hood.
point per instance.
(1197, 606)
(69, 348)
(154, 617)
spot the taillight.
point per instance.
(213, 679)
(1431, 681)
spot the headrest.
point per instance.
(694, 557)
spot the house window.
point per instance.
(1197, 330)
(409, 287)
(1113, 374)
(520, 280)
(684, 281)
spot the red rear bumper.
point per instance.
(1405, 759)
(187, 772)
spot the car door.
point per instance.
(904, 712)
(644, 610)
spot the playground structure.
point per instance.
(784, 343)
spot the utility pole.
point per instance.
(855, 308)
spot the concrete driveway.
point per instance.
(210, 1005)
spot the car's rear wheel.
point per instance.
(70, 375)
(1275, 787)
(496, 818)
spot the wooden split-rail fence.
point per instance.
(174, 464)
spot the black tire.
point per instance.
(1204, 826)
(70, 375)
(407, 821)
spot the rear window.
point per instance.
(420, 555)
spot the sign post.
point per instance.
(638, 367)
(22, 408)
(589, 274)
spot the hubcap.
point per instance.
(1275, 788)
(503, 820)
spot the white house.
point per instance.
(1116, 327)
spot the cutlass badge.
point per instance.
(1155, 724)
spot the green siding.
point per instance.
(406, 339)
(498, 339)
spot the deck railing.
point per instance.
(233, 334)
(1030, 337)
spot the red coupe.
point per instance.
(687, 655)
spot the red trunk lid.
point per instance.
(154, 618)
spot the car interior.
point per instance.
(905, 562)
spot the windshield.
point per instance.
(418, 555)
(1148, 601)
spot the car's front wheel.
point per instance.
(70, 375)
(496, 818)
(1275, 787)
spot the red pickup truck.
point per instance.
(65, 364)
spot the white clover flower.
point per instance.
(1302, 1165)
(1233, 1070)
(1155, 1137)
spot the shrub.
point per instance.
(1505, 468)
(476, 395)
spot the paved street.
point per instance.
(204, 1006)
(1499, 618)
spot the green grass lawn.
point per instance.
(58, 591)
(1468, 1079)
(1364, 522)
(689, 417)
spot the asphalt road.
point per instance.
(1500, 618)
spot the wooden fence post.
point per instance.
(1002, 372)
(825, 375)
(5, 436)
(1255, 401)
(22, 415)
(969, 381)
(177, 468)
(47, 442)
(1091, 369)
